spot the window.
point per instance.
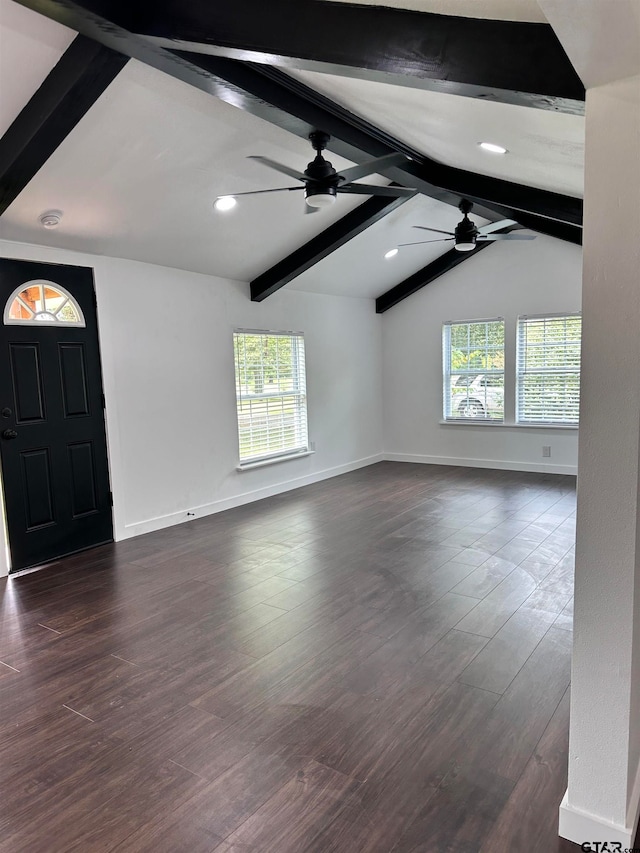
(271, 394)
(42, 302)
(548, 369)
(473, 356)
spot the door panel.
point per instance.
(52, 432)
(38, 495)
(27, 382)
(73, 376)
(83, 485)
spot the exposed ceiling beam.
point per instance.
(512, 62)
(336, 235)
(75, 83)
(296, 107)
(272, 95)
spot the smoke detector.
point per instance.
(51, 218)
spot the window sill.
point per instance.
(511, 424)
(260, 463)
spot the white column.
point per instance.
(603, 794)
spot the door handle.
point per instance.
(9, 433)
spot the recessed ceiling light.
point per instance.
(490, 146)
(225, 202)
(391, 253)
(51, 218)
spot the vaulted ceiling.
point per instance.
(136, 161)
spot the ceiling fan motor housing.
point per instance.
(466, 231)
(321, 186)
(320, 169)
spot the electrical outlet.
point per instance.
(312, 446)
(546, 451)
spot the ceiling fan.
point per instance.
(467, 235)
(321, 182)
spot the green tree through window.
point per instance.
(473, 357)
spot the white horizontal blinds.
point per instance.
(473, 357)
(548, 369)
(271, 394)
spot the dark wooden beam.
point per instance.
(509, 61)
(274, 96)
(72, 87)
(336, 235)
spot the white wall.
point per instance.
(169, 379)
(510, 278)
(167, 354)
(603, 797)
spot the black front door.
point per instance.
(52, 431)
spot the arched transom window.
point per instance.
(42, 302)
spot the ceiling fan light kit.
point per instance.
(321, 199)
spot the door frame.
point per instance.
(5, 545)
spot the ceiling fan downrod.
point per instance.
(319, 140)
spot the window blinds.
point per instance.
(271, 394)
(548, 369)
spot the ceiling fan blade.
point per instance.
(279, 167)
(435, 230)
(258, 192)
(372, 167)
(498, 226)
(486, 237)
(422, 242)
(370, 189)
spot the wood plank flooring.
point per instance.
(379, 662)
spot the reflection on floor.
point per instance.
(376, 662)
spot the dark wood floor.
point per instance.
(379, 662)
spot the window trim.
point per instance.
(282, 454)
(447, 372)
(519, 373)
(272, 460)
(32, 321)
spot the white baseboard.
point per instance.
(580, 827)
(633, 812)
(499, 464)
(158, 523)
